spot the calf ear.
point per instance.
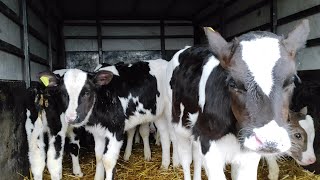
(48, 79)
(304, 110)
(297, 38)
(219, 46)
(103, 77)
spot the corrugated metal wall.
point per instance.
(126, 41)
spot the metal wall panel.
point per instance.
(35, 68)
(174, 44)
(130, 44)
(79, 30)
(37, 47)
(130, 31)
(81, 45)
(9, 31)
(288, 7)
(13, 5)
(11, 66)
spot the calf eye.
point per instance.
(298, 135)
(232, 84)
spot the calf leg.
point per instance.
(137, 139)
(162, 126)
(214, 163)
(197, 161)
(273, 168)
(74, 153)
(110, 156)
(144, 131)
(185, 154)
(130, 135)
(37, 154)
(246, 168)
(55, 155)
(100, 143)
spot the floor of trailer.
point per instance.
(138, 168)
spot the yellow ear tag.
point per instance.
(210, 28)
(45, 80)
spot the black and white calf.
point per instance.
(226, 99)
(302, 138)
(46, 131)
(112, 101)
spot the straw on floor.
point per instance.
(138, 168)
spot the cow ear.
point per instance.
(103, 77)
(304, 110)
(48, 79)
(297, 38)
(219, 46)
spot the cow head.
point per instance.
(302, 137)
(261, 73)
(78, 91)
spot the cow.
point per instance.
(302, 138)
(46, 132)
(111, 101)
(228, 97)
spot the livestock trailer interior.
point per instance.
(40, 35)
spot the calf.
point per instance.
(112, 101)
(302, 137)
(226, 99)
(46, 131)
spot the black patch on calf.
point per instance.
(217, 119)
(106, 146)
(57, 146)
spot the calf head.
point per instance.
(78, 91)
(302, 137)
(261, 73)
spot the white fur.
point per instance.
(129, 65)
(112, 69)
(261, 55)
(272, 167)
(279, 135)
(109, 159)
(308, 125)
(60, 72)
(74, 81)
(206, 71)
(228, 150)
(130, 135)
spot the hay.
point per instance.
(138, 168)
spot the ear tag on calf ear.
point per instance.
(210, 28)
(44, 80)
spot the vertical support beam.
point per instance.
(62, 51)
(49, 19)
(162, 40)
(98, 24)
(273, 16)
(99, 40)
(26, 67)
(196, 34)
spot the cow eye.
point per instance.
(298, 135)
(232, 84)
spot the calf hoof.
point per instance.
(147, 156)
(126, 156)
(273, 177)
(79, 174)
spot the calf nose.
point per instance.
(312, 160)
(71, 117)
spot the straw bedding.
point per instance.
(138, 168)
